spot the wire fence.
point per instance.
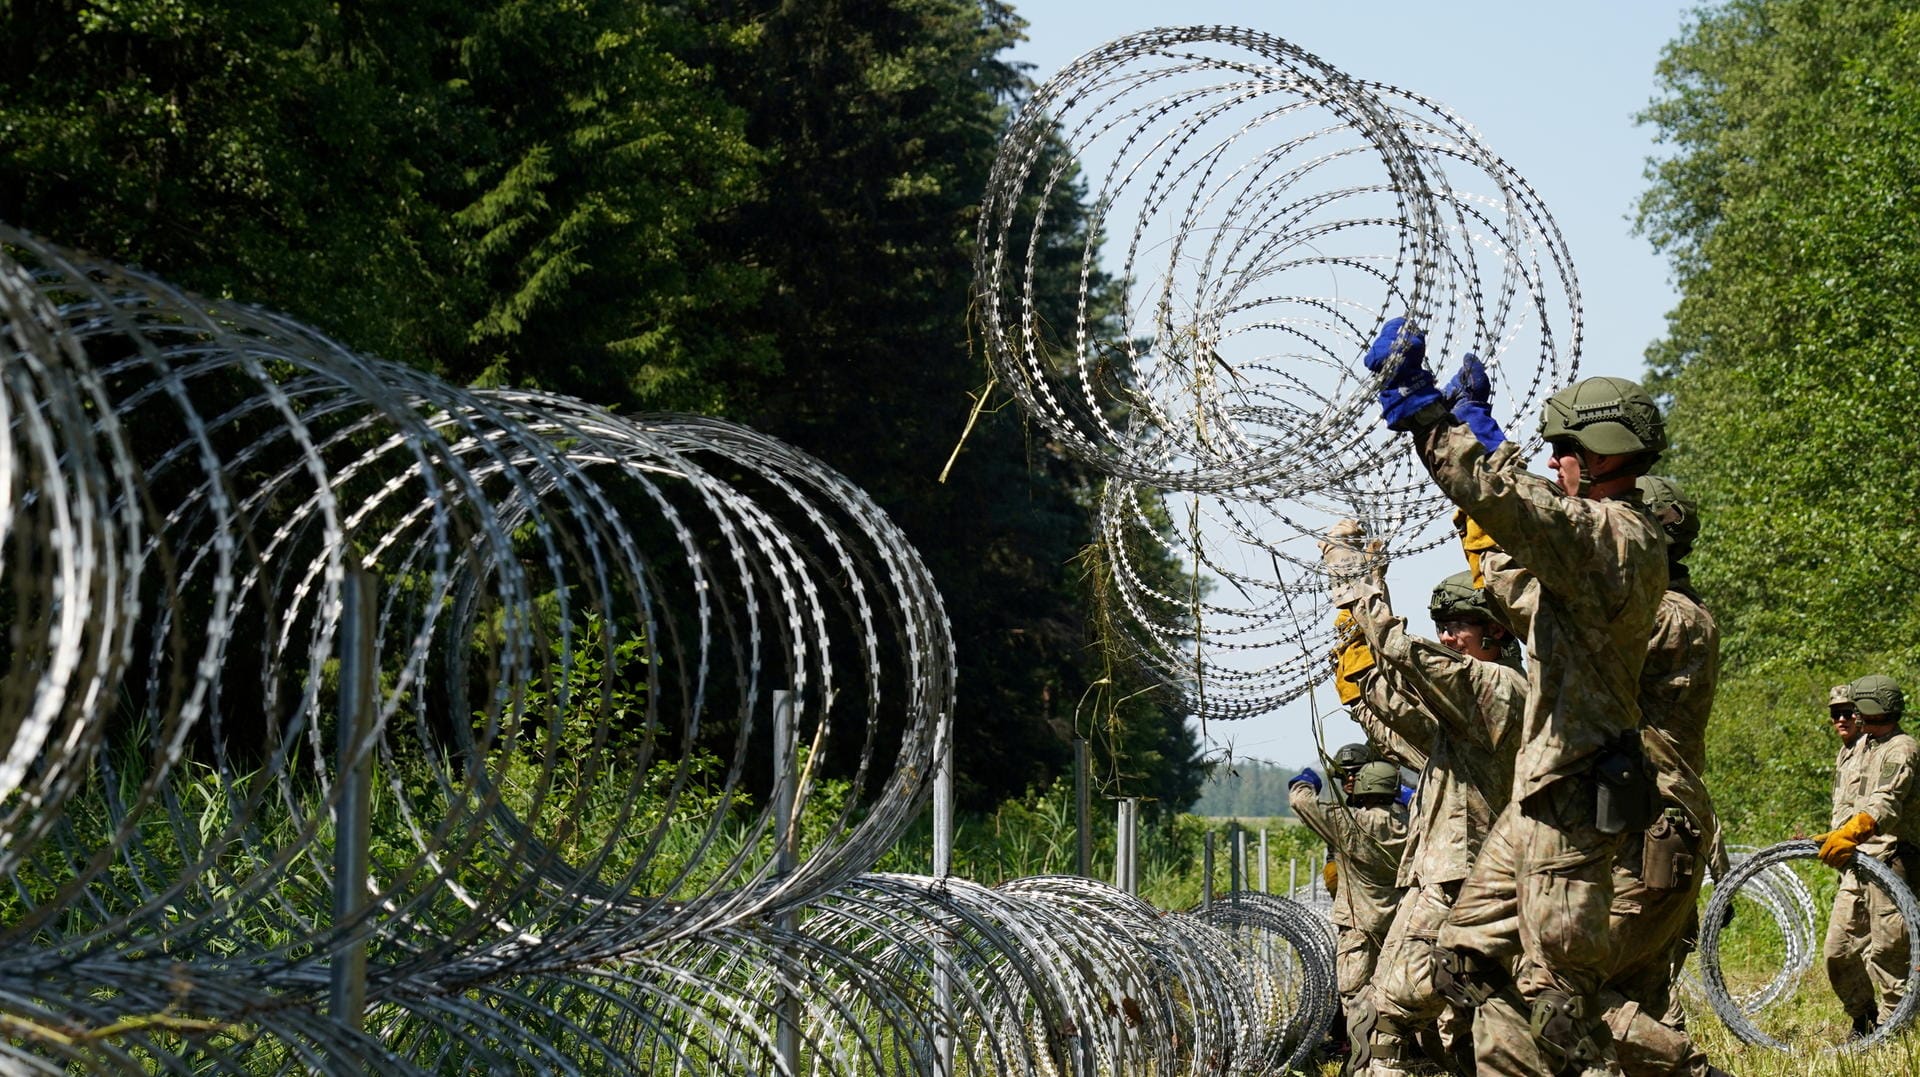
(359, 722)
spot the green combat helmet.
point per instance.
(1606, 415)
(1456, 598)
(1352, 757)
(1678, 515)
(1377, 779)
(1877, 694)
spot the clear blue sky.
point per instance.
(1552, 87)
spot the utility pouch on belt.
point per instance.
(1665, 862)
(1624, 795)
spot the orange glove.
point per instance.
(1330, 874)
(1351, 657)
(1473, 542)
(1837, 846)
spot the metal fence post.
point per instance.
(1082, 810)
(1263, 862)
(943, 1037)
(1240, 862)
(352, 827)
(786, 842)
(1206, 874)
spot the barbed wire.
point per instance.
(1736, 1013)
(649, 696)
(1786, 899)
(1268, 213)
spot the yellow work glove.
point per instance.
(1330, 874)
(1351, 657)
(1837, 846)
(1473, 542)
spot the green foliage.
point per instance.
(1787, 207)
(1246, 787)
(747, 208)
(511, 191)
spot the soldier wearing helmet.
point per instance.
(1367, 834)
(1866, 948)
(1657, 877)
(1576, 567)
(1457, 701)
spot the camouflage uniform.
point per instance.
(1368, 840)
(1580, 581)
(1461, 713)
(1866, 946)
(1653, 928)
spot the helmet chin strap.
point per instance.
(1588, 478)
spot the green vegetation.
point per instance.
(1791, 363)
(751, 209)
(1246, 787)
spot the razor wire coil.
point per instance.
(582, 623)
(1271, 212)
(1785, 898)
(1731, 1011)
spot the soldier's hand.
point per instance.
(1343, 538)
(1409, 388)
(1837, 846)
(1469, 395)
(1346, 554)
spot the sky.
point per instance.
(1552, 87)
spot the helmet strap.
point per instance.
(1588, 478)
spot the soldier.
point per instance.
(1577, 567)
(1656, 880)
(1846, 963)
(1866, 945)
(1457, 702)
(1368, 833)
(1846, 726)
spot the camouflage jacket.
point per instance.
(1846, 780)
(1676, 698)
(1367, 842)
(1462, 711)
(1578, 579)
(1885, 789)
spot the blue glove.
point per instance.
(1405, 795)
(1410, 387)
(1384, 346)
(1307, 778)
(1468, 394)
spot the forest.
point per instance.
(1787, 209)
(765, 211)
(756, 210)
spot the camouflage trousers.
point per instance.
(1537, 905)
(1866, 947)
(1652, 930)
(1355, 955)
(1402, 991)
